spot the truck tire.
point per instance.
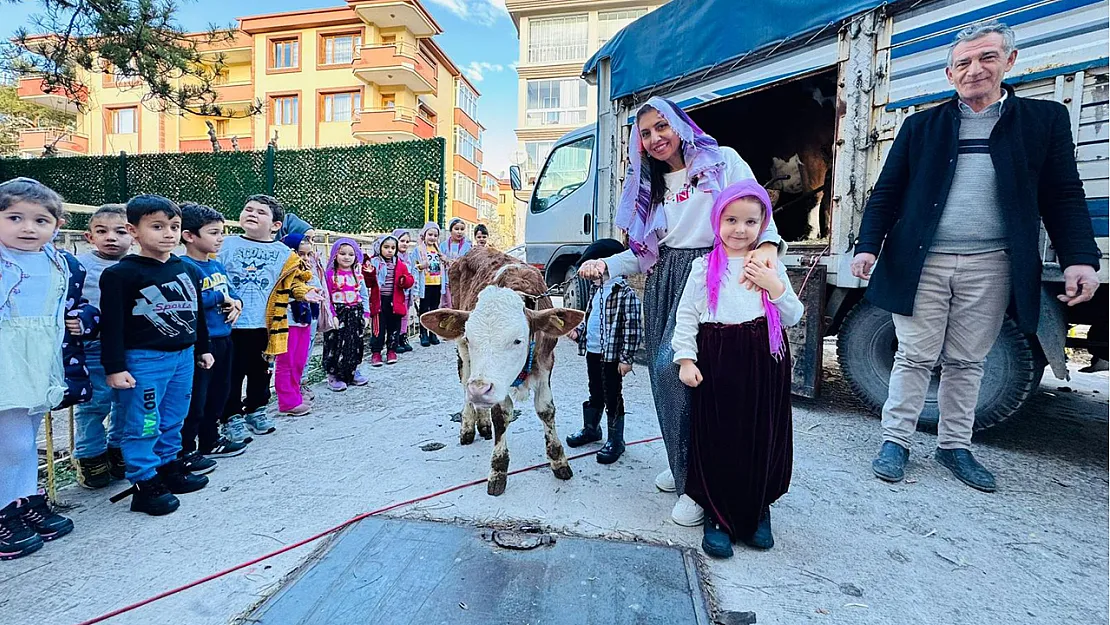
(574, 295)
(866, 345)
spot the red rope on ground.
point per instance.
(314, 537)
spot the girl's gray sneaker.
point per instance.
(235, 430)
(259, 422)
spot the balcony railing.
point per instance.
(63, 140)
(381, 63)
(392, 120)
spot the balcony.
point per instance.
(234, 92)
(396, 64)
(391, 13)
(204, 144)
(391, 124)
(32, 89)
(34, 141)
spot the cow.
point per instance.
(505, 328)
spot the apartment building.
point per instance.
(556, 38)
(369, 71)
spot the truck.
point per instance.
(811, 94)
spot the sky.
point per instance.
(478, 36)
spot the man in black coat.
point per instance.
(955, 216)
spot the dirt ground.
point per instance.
(850, 549)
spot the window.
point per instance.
(466, 190)
(287, 54)
(221, 127)
(467, 100)
(466, 145)
(341, 107)
(611, 22)
(285, 110)
(558, 39)
(556, 102)
(340, 49)
(389, 100)
(124, 121)
(537, 152)
(566, 171)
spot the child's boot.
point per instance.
(152, 497)
(16, 538)
(424, 340)
(376, 360)
(403, 346)
(115, 463)
(179, 481)
(762, 538)
(433, 338)
(614, 447)
(38, 515)
(93, 473)
(591, 427)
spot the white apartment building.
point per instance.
(556, 38)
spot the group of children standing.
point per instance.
(166, 344)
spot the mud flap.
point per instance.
(1052, 332)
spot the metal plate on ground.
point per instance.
(393, 572)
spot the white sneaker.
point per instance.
(687, 512)
(665, 482)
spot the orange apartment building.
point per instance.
(366, 72)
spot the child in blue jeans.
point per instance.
(96, 450)
(153, 332)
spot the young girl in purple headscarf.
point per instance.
(731, 349)
(406, 253)
(676, 172)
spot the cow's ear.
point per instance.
(554, 321)
(447, 323)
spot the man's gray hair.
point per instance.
(982, 29)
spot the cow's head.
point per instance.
(497, 335)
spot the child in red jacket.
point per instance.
(393, 280)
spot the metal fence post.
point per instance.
(125, 192)
(270, 153)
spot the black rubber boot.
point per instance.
(115, 461)
(591, 427)
(614, 447)
(424, 340)
(178, 480)
(152, 497)
(433, 338)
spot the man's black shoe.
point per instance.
(891, 463)
(966, 469)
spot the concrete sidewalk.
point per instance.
(850, 549)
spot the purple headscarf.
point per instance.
(704, 161)
(357, 268)
(717, 272)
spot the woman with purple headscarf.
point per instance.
(731, 349)
(676, 172)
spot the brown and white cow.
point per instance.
(506, 344)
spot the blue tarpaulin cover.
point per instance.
(687, 36)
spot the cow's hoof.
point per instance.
(466, 438)
(563, 472)
(485, 430)
(496, 485)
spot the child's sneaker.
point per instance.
(152, 497)
(178, 480)
(391, 357)
(37, 514)
(16, 538)
(375, 361)
(225, 449)
(299, 411)
(235, 430)
(93, 473)
(360, 378)
(117, 466)
(197, 463)
(259, 422)
(335, 384)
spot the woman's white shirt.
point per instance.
(735, 305)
